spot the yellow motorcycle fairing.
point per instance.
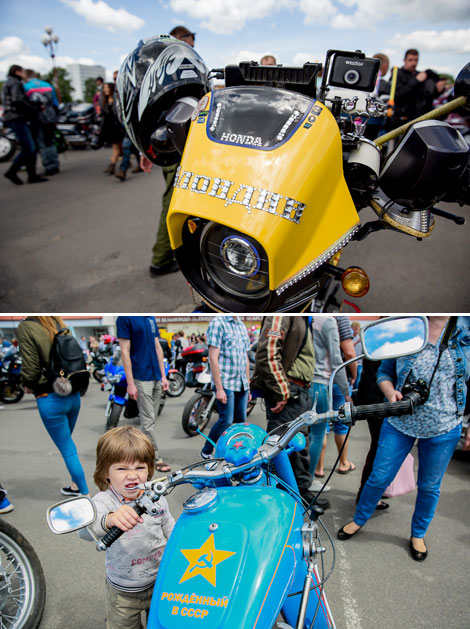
(290, 197)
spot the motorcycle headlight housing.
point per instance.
(235, 262)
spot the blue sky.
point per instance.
(228, 31)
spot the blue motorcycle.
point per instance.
(244, 551)
(119, 400)
(11, 389)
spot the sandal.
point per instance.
(162, 467)
(351, 468)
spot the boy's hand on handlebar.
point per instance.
(125, 518)
(348, 398)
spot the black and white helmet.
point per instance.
(152, 78)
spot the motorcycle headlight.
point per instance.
(235, 262)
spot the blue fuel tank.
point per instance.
(230, 560)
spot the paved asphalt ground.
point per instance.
(82, 243)
(375, 583)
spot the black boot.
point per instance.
(13, 177)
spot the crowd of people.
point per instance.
(295, 357)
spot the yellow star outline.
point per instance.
(204, 560)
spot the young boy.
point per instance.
(125, 457)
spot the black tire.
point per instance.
(176, 384)
(24, 577)
(11, 393)
(196, 404)
(7, 148)
(113, 415)
(98, 374)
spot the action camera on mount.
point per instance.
(350, 70)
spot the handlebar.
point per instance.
(115, 532)
(386, 409)
(216, 469)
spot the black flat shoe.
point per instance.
(416, 554)
(170, 267)
(343, 535)
(381, 505)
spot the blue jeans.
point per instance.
(49, 156)
(126, 153)
(317, 431)
(434, 454)
(233, 411)
(27, 155)
(59, 416)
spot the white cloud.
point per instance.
(368, 13)
(457, 41)
(11, 46)
(14, 50)
(101, 14)
(303, 57)
(227, 16)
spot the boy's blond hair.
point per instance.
(120, 445)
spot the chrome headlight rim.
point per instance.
(207, 264)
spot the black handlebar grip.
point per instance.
(386, 409)
(115, 532)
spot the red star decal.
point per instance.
(238, 444)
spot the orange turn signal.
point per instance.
(355, 282)
(192, 226)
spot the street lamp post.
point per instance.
(50, 41)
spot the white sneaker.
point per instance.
(317, 485)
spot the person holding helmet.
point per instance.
(161, 74)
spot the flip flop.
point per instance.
(351, 468)
(162, 467)
(319, 475)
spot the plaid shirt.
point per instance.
(229, 335)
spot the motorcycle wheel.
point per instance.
(98, 374)
(22, 581)
(176, 384)
(191, 418)
(112, 415)
(11, 393)
(7, 148)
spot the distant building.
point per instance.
(79, 74)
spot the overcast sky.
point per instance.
(104, 31)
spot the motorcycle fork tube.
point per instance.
(209, 406)
(305, 594)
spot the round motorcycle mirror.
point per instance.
(462, 84)
(394, 337)
(71, 515)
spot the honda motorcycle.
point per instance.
(247, 550)
(275, 171)
(11, 389)
(22, 581)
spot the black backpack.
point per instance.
(67, 371)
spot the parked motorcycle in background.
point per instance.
(247, 550)
(200, 407)
(22, 581)
(8, 141)
(259, 223)
(11, 389)
(115, 382)
(78, 125)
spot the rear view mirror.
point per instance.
(394, 336)
(71, 515)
